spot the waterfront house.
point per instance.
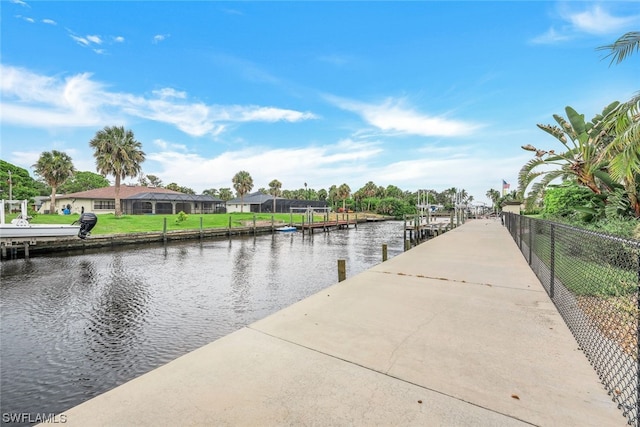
(263, 203)
(135, 199)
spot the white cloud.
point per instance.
(316, 165)
(87, 40)
(594, 19)
(345, 161)
(550, 37)
(254, 113)
(599, 21)
(49, 102)
(94, 39)
(168, 92)
(49, 22)
(118, 39)
(80, 40)
(26, 18)
(160, 37)
(165, 145)
(393, 116)
(20, 2)
(35, 100)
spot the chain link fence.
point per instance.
(594, 281)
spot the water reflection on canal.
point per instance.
(75, 326)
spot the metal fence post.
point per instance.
(520, 230)
(553, 262)
(530, 238)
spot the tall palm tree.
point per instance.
(55, 167)
(117, 153)
(332, 195)
(369, 190)
(493, 195)
(343, 193)
(274, 190)
(242, 183)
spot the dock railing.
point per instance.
(594, 281)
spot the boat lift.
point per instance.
(309, 212)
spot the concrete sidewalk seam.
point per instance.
(388, 375)
(444, 279)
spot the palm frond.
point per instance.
(623, 47)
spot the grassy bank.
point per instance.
(109, 224)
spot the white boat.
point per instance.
(286, 228)
(21, 229)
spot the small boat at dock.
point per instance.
(286, 229)
(20, 229)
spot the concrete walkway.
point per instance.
(455, 332)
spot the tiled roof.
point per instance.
(110, 192)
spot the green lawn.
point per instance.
(588, 274)
(109, 224)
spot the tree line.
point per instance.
(56, 174)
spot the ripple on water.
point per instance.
(73, 327)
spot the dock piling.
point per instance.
(164, 230)
(342, 270)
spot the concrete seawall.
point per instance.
(125, 239)
(52, 245)
(457, 331)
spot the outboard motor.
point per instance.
(87, 221)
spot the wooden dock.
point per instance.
(327, 226)
(416, 231)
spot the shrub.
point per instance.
(567, 201)
(181, 217)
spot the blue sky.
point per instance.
(413, 94)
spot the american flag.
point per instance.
(505, 187)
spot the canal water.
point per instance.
(73, 326)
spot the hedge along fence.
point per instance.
(594, 281)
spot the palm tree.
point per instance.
(623, 152)
(274, 190)
(117, 153)
(332, 195)
(493, 195)
(624, 121)
(242, 183)
(55, 167)
(225, 194)
(369, 190)
(210, 192)
(582, 159)
(623, 47)
(343, 193)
